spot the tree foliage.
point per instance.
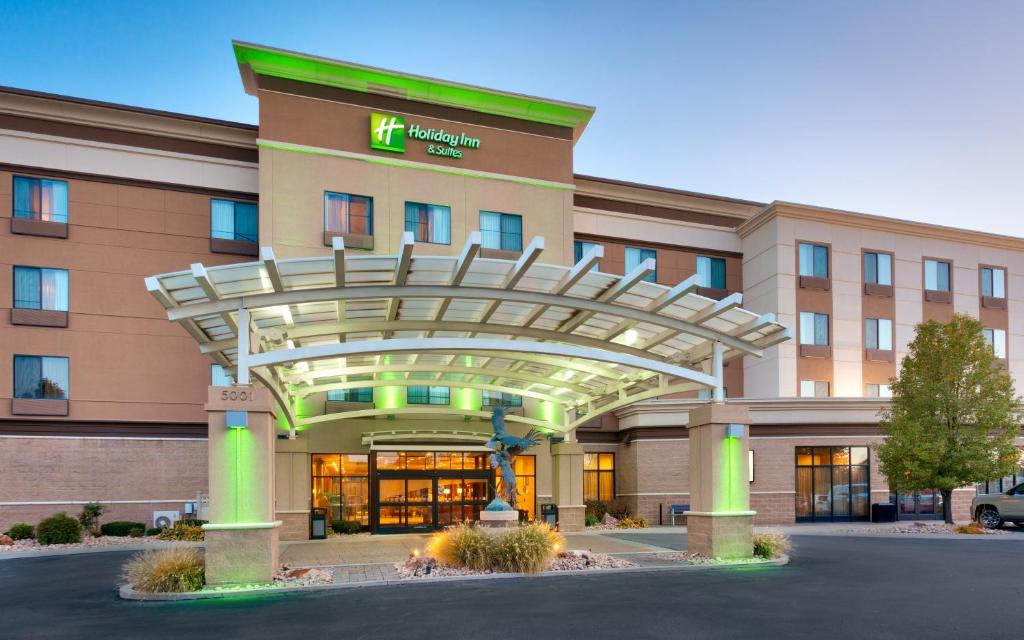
(954, 413)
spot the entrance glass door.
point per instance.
(423, 491)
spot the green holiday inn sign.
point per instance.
(389, 133)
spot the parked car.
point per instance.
(993, 509)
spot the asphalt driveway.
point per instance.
(835, 587)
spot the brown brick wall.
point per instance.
(71, 471)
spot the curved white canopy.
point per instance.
(569, 335)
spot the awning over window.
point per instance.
(587, 342)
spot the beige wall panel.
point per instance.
(36, 150)
(645, 229)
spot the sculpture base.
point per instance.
(499, 519)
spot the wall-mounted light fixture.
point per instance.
(236, 419)
(733, 430)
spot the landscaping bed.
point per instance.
(427, 567)
(86, 543)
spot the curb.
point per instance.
(126, 592)
(44, 553)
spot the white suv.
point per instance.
(993, 509)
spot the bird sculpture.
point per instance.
(506, 447)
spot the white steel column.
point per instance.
(243, 346)
(716, 371)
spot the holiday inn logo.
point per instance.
(387, 133)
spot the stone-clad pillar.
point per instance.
(242, 535)
(720, 523)
(567, 482)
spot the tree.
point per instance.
(954, 414)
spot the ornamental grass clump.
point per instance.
(173, 570)
(771, 544)
(523, 549)
(463, 546)
(182, 531)
(526, 549)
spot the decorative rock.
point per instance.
(6, 541)
(609, 519)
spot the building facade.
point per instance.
(102, 399)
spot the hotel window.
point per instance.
(813, 328)
(40, 378)
(525, 468)
(635, 257)
(813, 260)
(502, 231)
(580, 249)
(41, 199)
(878, 334)
(360, 394)
(598, 477)
(429, 222)
(219, 377)
(711, 272)
(706, 394)
(936, 275)
(878, 391)
(996, 338)
(346, 213)
(43, 289)
(832, 483)
(814, 389)
(499, 399)
(428, 395)
(341, 486)
(878, 268)
(230, 220)
(993, 282)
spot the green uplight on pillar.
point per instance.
(733, 476)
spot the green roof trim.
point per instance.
(347, 75)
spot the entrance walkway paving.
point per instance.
(362, 550)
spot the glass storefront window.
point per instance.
(832, 483)
(526, 480)
(598, 477)
(340, 484)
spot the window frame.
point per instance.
(515, 401)
(234, 220)
(41, 358)
(712, 261)
(580, 248)
(502, 235)
(878, 334)
(40, 270)
(949, 274)
(990, 336)
(814, 383)
(828, 328)
(37, 215)
(430, 397)
(350, 397)
(644, 251)
(993, 301)
(814, 246)
(348, 213)
(600, 472)
(430, 210)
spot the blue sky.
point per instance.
(907, 109)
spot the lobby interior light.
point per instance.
(627, 337)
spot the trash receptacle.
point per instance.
(549, 514)
(883, 513)
(318, 524)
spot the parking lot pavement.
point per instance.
(836, 587)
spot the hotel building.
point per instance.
(103, 399)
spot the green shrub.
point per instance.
(590, 520)
(136, 532)
(21, 531)
(152, 531)
(175, 569)
(192, 522)
(59, 529)
(120, 528)
(346, 526)
(184, 532)
(90, 517)
(771, 544)
(632, 523)
(463, 545)
(596, 509)
(525, 549)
